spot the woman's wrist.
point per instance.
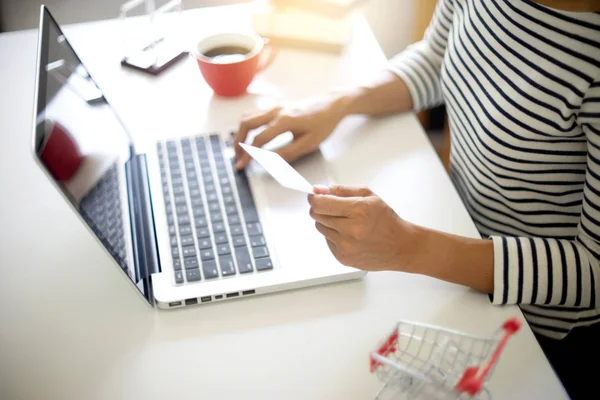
(452, 258)
(343, 102)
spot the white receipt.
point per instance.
(280, 170)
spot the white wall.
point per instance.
(391, 20)
(24, 14)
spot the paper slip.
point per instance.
(279, 169)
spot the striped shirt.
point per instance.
(521, 86)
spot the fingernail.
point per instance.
(238, 165)
(321, 189)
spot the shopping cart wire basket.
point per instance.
(420, 361)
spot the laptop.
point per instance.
(177, 219)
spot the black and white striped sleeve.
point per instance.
(419, 65)
(564, 273)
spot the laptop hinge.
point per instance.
(145, 252)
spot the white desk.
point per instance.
(72, 328)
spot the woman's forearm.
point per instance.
(455, 259)
(385, 94)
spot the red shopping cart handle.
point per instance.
(389, 346)
(472, 380)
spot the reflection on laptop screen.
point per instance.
(82, 144)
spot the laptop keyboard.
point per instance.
(213, 223)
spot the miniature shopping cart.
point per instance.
(419, 361)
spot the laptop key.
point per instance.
(251, 215)
(192, 275)
(202, 232)
(189, 251)
(172, 230)
(173, 241)
(239, 241)
(178, 277)
(187, 241)
(175, 252)
(181, 210)
(200, 222)
(214, 206)
(200, 145)
(180, 199)
(227, 265)
(243, 260)
(198, 212)
(236, 230)
(223, 249)
(231, 209)
(177, 264)
(196, 202)
(257, 240)
(204, 244)
(183, 219)
(212, 197)
(190, 262)
(221, 238)
(207, 254)
(260, 252)
(185, 230)
(241, 181)
(233, 219)
(218, 227)
(175, 174)
(210, 269)
(228, 199)
(253, 228)
(216, 217)
(191, 175)
(263, 264)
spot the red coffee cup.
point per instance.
(60, 152)
(229, 61)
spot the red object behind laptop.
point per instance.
(60, 152)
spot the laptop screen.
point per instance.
(80, 141)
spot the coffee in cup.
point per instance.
(229, 61)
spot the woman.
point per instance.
(521, 84)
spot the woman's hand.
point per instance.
(310, 122)
(362, 231)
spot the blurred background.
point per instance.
(395, 23)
